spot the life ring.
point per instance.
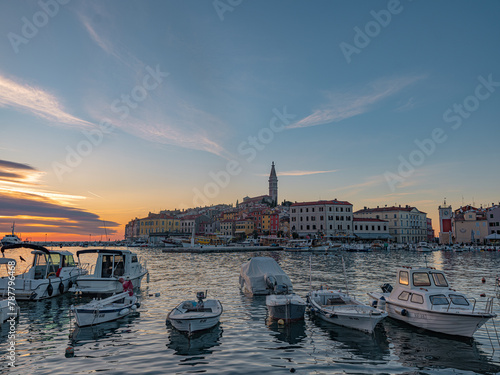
(50, 290)
(61, 288)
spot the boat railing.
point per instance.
(488, 305)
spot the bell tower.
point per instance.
(273, 185)
(445, 227)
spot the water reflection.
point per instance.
(372, 347)
(427, 350)
(197, 343)
(292, 333)
(100, 332)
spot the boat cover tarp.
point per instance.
(254, 273)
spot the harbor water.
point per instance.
(246, 341)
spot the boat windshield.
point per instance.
(403, 277)
(439, 299)
(439, 279)
(45, 264)
(68, 261)
(457, 299)
(421, 279)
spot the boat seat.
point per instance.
(200, 309)
(335, 301)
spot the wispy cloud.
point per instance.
(36, 101)
(304, 173)
(165, 116)
(343, 105)
(18, 173)
(23, 199)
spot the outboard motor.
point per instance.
(281, 289)
(271, 281)
(201, 296)
(386, 288)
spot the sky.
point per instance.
(111, 110)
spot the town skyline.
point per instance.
(112, 110)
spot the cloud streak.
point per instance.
(36, 101)
(305, 173)
(342, 105)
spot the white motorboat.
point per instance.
(110, 266)
(259, 275)
(424, 247)
(49, 274)
(340, 308)
(104, 310)
(423, 298)
(11, 239)
(285, 306)
(192, 316)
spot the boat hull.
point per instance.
(34, 290)
(89, 284)
(195, 324)
(90, 314)
(353, 315)
(193, 320)
(447, 323)
(289, 308)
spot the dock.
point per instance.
(221, 249)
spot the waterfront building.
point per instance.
(227, 228)
(493, 218)
(157, 223)
(325, 218)
(406, 224)
(430, 231)
(371, 229)
(470, 225)
(243, 227)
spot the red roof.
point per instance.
(385, 209)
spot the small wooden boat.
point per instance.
(105, 310)
(191, 316)
(340, 308)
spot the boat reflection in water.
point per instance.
(101, 332)
(427, 350)
(197, 343)
(371, 347)
(291, 333)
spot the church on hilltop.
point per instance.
(271, 199)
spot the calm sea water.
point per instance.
(245, 342)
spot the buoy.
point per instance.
(281, 322)
(483, 280)
(404, 312)
(483, 295)
(157, 294)
(70, 351)
(292, 370)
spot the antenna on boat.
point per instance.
(105, 231)
(310, 272)
(345, 275)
